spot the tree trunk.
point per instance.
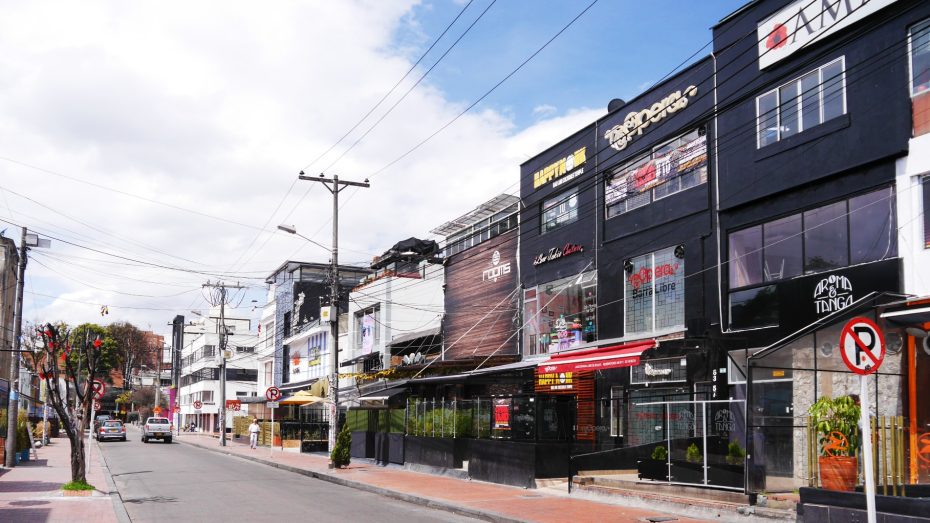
(78, 467)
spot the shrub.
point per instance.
(660, 453)
(341, 451)
(735, 454)
(693, 454)
(22, 432)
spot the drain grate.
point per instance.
(660, 519)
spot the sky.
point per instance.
(157, 144)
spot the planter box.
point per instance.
(653, 469)
(726, 475)
(686, 472)
(435, 452)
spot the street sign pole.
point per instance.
(272, 394)
(271, 441)
(862, 347)
(867, 469)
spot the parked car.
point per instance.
(156, 428)
(111, 429)
(100, 419)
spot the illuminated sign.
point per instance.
(559, 168)
(636, 122)
(804, 22)
(555, 253)
(555, 380)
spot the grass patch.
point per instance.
(77, 485)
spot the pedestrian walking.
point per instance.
(254, 429)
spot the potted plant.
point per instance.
(655, 468)
(730, 472)
(836, 421)
(691, 470)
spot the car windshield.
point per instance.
(158, 421)
(112, 424)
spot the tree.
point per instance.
(62, 357)
(132, 349)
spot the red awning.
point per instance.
(601, 358)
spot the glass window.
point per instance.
(567, 314)
(810, 95)
(782, 253)
(920, 58)
(616, 411)
(789, 109)
(746, 257)
(768, 118)
(754, 307)
(926, 191)
(801, 104)
(825, 238)
(834, 99)
(654, 295)
(672, 167)
(560, 210)
(872, 232)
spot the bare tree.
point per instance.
(131, 348)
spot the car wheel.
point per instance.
(168, 440)
(124, 438)
(144, 439)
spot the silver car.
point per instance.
(110, 429)
(156, 428)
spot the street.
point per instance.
(177, 482)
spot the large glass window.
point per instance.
(560, 314)
(367, 329)
(872, 232)
(920, 58)
(801, 104)
(560, 210)
(654, 292)
(669, 168)
(825, 238)
(857, 230)
(483, 230)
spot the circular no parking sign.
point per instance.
(862, 346)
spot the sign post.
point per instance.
(273, 394)
(863, 350)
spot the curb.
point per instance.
(121, 514)
(381, 491)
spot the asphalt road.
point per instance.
(176, 482)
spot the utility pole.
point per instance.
(334, 186)
(13, 403)
(222, 349)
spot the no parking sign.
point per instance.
(862, 346)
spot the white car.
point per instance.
(156, 428)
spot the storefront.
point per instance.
(813, 121)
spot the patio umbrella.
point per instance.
(303, 397)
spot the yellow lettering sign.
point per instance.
(558, 168)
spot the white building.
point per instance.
(396, 313)
(200, 368)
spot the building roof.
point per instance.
(291, 266)
(482, 212)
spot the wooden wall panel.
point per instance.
(474, 286)
(578, 384)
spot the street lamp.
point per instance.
(290, 229)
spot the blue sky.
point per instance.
(615, 50)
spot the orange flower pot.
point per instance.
(838, 472)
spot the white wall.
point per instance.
(910, 216)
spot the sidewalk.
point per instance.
(487, 501)
(30, 492)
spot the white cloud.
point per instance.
(544, 110)
(215, 106)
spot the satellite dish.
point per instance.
(406, 360)
(420, 357)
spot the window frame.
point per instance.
(799, 101)
(635, 161)
(923, 24)
(564, 196)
